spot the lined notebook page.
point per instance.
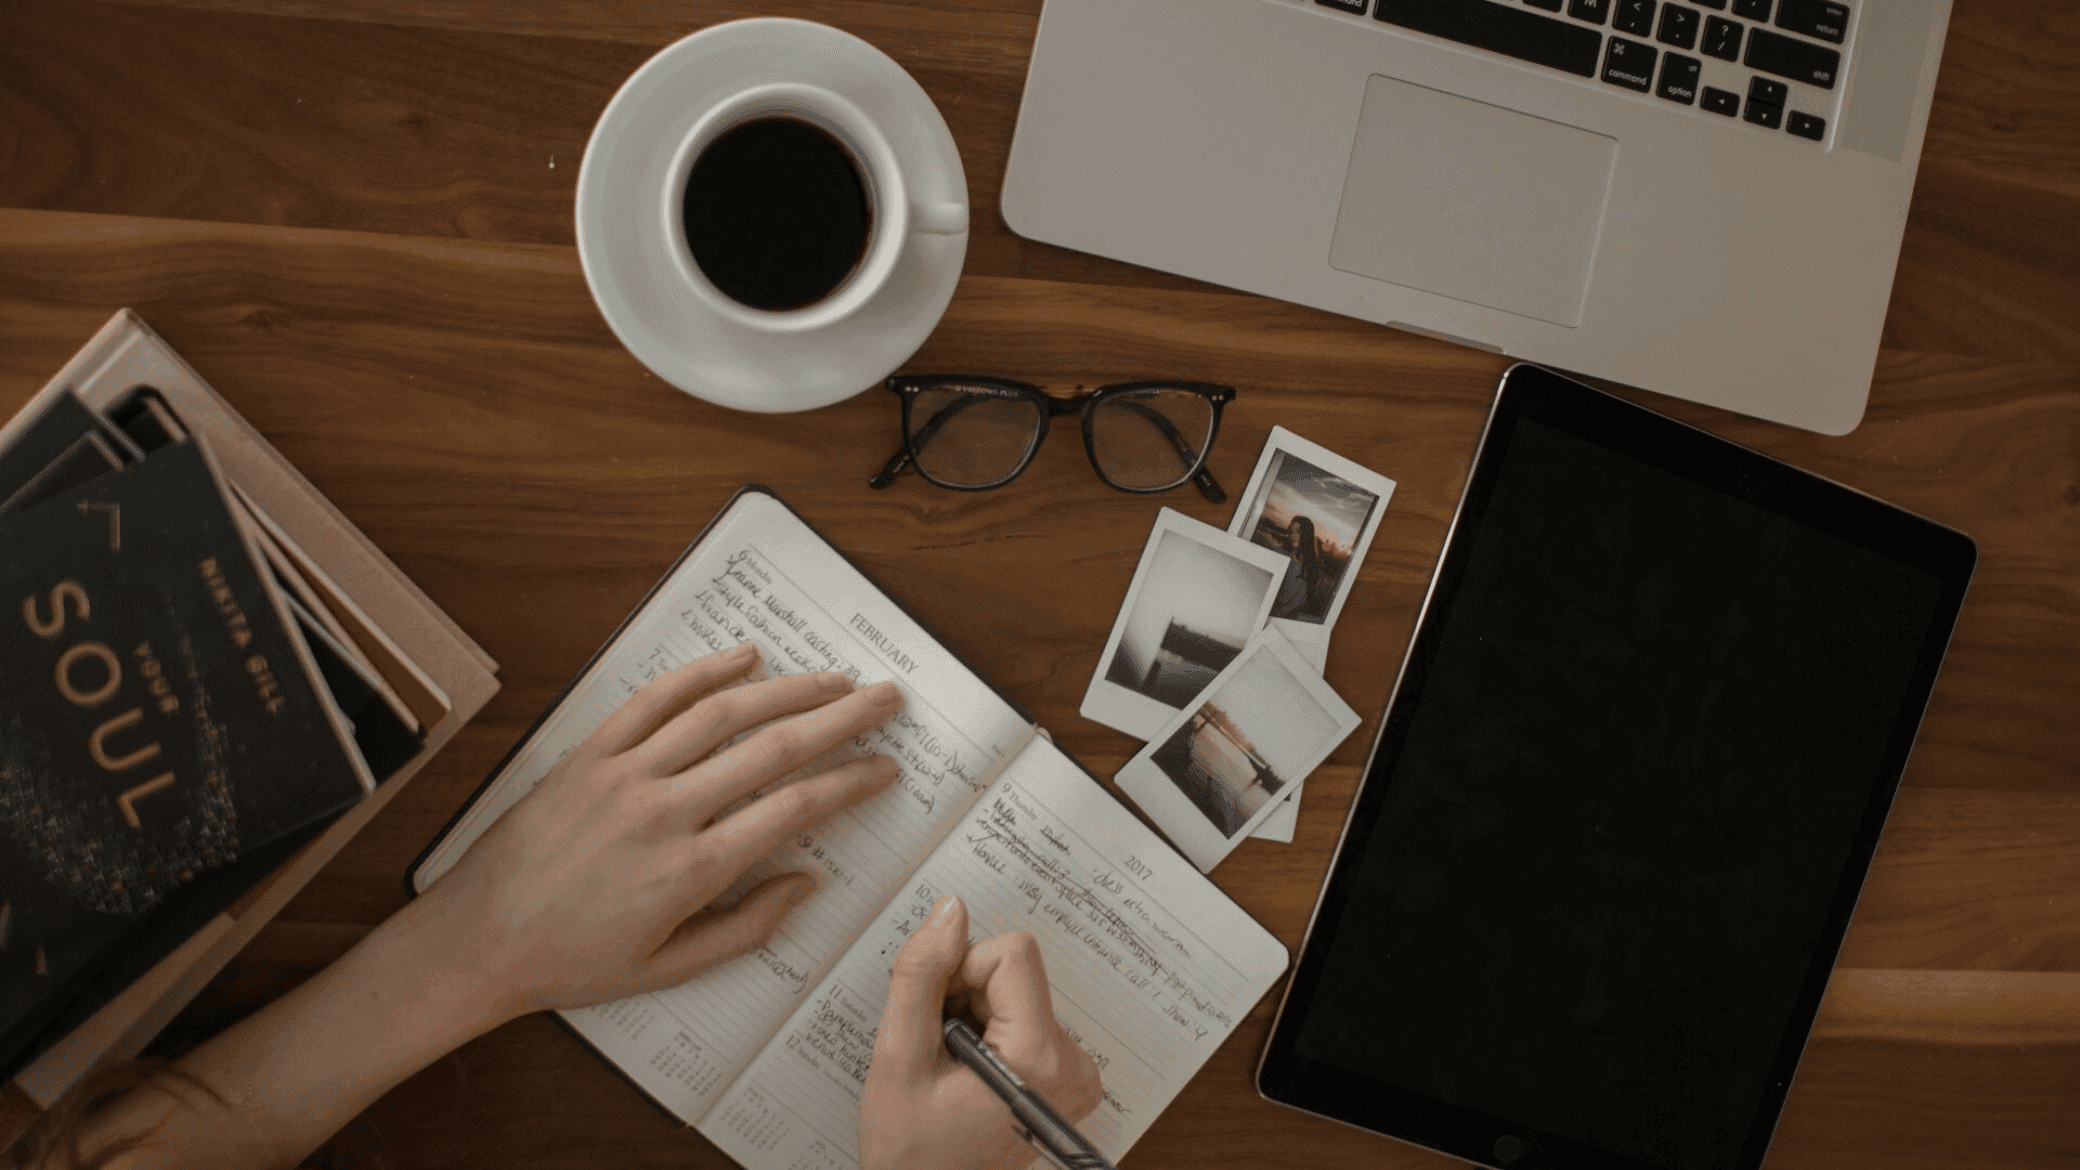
(762, 575)
(1150, 965)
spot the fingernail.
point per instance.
(831, 680)
(890, 695)
(944, 910)
(739, 650)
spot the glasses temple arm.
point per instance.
(893, 468)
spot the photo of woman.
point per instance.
(1314, 517)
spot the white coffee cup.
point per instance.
(894, 217)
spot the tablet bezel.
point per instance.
(1286, 1077)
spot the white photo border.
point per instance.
(1130, 711)
(1173, 812)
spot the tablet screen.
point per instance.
(1647, 735)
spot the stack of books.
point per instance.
(208, 681)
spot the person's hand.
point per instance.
(923, 1110)
(591, 887)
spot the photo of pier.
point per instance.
(1255, 734)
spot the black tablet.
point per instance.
(1624, 796)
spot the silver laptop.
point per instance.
(1699, 197)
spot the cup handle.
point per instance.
(939, 219)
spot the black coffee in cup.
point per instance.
(776, 213)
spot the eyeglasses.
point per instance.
(974, 433)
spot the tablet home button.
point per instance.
(1507, 1148)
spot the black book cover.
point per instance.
(65, 446)
(384, 741)
(157, 719)
(151, 938)
(143, 413)
(44, 441)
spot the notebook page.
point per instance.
(1150, 965)
(762, 575)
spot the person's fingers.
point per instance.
(710, 939)
(716, 718)
(1008, 992)
(779, 748)
(910, 1040)
(1008, 983)
(758, 828)
(1081, 1088)
(661, 696)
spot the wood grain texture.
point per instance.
(1992, 250)
(444, 125)
(343, 213)
(1978, 1072)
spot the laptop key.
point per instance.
(1807, 126)
(1763, 114)
(1820, 19)
(1548, 5)
(1751, 9)
(1722, 38)
(1513, 32)
(1357, 6)
(1797, 60)
(1678, 78)
(1720, 101)
(1593, 11)
(1635, 17)
(1769, 93)
(1629, 64)
(1678, 26)
(1715, 5)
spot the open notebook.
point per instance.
(1151, 965)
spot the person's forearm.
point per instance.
(578, 894)
(293, 1073)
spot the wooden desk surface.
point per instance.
(354, 218)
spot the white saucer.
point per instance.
(624, 246)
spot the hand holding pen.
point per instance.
(924, 1110)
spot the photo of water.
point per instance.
(1185, 661)
(1218, 769)
(1195, 609)
(1257, 732)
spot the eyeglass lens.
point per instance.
(1150, 438)
(971, 438)
(1144, 439)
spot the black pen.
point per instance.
(1049, 1131)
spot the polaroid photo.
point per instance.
(1285, 814)
(1197, 596)
(1319, 511)
(1217, 770)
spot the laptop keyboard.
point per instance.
(1768, 63)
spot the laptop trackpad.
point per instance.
(1473, 201)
